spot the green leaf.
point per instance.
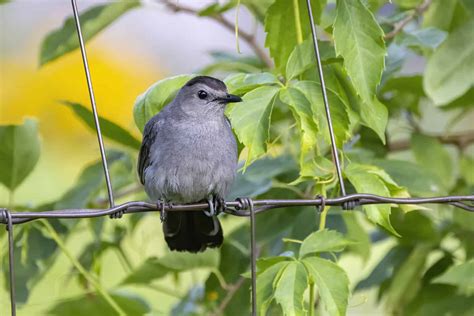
(461, 275)
(241, 83)
(91, 180)
(305, 118)
(108, 128)
(156, 97)
(19, 152)
(267, 262)
(359, 40)
(284, 30)
(34, 253)
(449, 70)
(331, 282)
(365, 182)
(290, 287)
(265, 281)
(445, 15)
(356, 232)
(156, 268)
(467, 168)
(417, 180)
(429, 38)
(258, 8)
(234, 261)
(93, 20)
(323, 241)
(384, 269)
(95, 305)
(440, 299)
(257, 178)
(465, 102)
(338, 108)
(407, 3)
(407, 280)
(251, 120)
(302, 57)
(432, 156)
(217, 8)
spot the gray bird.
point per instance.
(188, 155)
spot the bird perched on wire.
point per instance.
(188, 155)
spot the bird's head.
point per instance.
(205, 95)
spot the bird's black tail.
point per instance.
(192, 231)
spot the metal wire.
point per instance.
(238, 208)
(94, 107)
(325, 99)
(10, 261)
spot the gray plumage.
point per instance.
(189, 154)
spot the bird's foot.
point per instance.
(216, 206)
(212, 210)
(220, 205)
(161, 204)
(117, 214)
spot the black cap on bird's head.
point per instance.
(206, 90)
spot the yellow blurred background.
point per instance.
(66, 142)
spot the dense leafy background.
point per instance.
(393, 70)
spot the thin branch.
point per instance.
(247, 37)
(460, 140)
(398, 27)
(230, 294)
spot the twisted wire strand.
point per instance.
(240, 206)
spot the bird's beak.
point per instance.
(229, 98)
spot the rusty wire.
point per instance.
(244, 207)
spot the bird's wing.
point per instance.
(144, 159)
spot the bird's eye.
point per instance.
(202, 94)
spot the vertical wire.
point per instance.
(253, 257)
(325, 99)
(92, 99)
(10, 262)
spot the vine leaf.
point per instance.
(265, 281)
(323, 241)
(282, 27)
(241, 83)
(93, 20)
(338, 108)
(156, 97)
(19, 152)
(302, 57)
(449, 70)
(305, 118)
(290, 287)
(251, 120)
(332, 284)
(359, 40)
(108, 128)
(370, 182)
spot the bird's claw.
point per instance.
(163, 214)
(216, 206)
(117, 214)
(212, 210)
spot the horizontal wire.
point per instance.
(236, 207)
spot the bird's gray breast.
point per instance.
(190, 160)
